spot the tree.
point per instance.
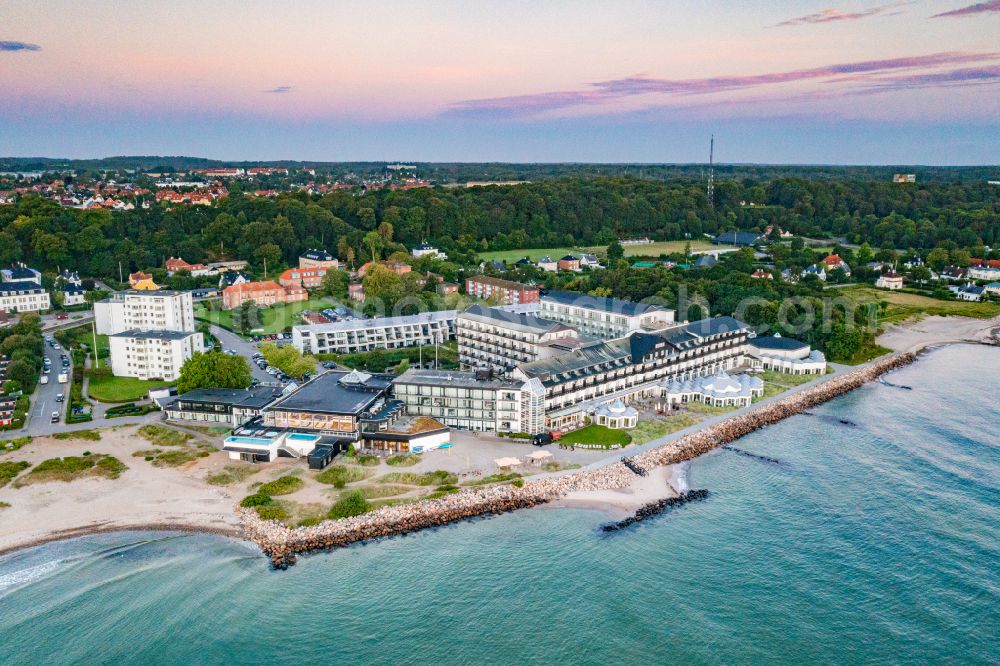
(335, 283)
(373, 242)
(214, 370)
(615, 252)
(288, 359)
(247, 317)
(22, 372)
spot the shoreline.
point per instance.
(90, 530)
(612, 487)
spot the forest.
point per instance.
(465, 221)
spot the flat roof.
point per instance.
(452, 378)
(259, 396)
(613, 305)
(379, 322)
(155, 335)
(777, 342)
(327, 394)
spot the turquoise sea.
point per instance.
(877, 542)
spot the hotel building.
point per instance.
(630, 368)
(470, 401)
(362, 335)
(23, 297)
(499, 339)
(604, 318)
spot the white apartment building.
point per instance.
(461, 400)
(363, 335)
(23, 297)
(161, 310)
(499, 339)
(152, 354)
(604, 318)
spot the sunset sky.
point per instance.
(837, 81)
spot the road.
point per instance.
(245, 349)
(43, 403)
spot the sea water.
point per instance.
(873, 536)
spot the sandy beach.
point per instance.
(143, 497)
(661, 483)
(916, 335)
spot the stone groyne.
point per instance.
(656, 508)
(282, 543)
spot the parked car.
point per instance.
(62, 315)
(44, 379)
(55, 417)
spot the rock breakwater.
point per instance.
(656, 508)
(282, 543)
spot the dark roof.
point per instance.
(20, 288)
(715, 326)
(259, 396)
(326, 394)
(519, 319)
(21, 273)
(777, 342)
(615, 305)
(229, 277)
(73, 289)
(738, 238)
(569, 257)
(317, 255)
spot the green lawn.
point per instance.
(596, 435)
(274, 319)
(84, 336)
(652, 250)
(107, 388)
(649, 429)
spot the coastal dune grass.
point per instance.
(402, 460)
(71, 468)
(163, 436)
(231, 474)
(9, 470)
(436, 478)
(339, 476)
(88, 435)
(283, 485)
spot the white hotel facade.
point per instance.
(363, 335)
(604, 318)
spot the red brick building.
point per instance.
(506, 291)
(264, 294)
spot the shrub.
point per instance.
(283, 485)
(402, 460)
(309, 522)
(4, 505)
(257, 499)
(232, 474)
(271, 512)
(111, 467)
(352, 503)
(368, 461)
(517, 483)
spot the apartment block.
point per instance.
(506, 292)
(362, 335)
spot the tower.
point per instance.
(711, 172)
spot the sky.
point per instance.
(836, 81)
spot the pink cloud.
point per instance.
(604, 91)
(978, 8)
(832, 15)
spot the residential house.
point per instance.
(230, 278)
(761, 274)
(308, 278)
(317, 258)
(969, 292)
(833, 262)
(889, 280)
(590, 261)
(569, 263)
(356, 292)
(547, 263)
(818, 271)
